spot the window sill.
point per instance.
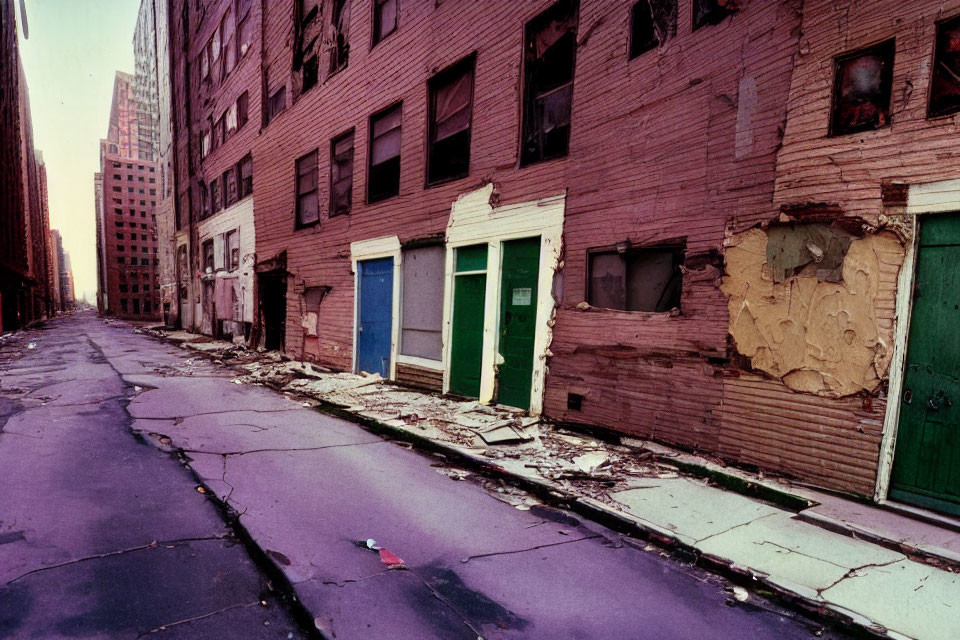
(307, 225)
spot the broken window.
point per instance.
(422, 317)
(136, 306)
(384, 18)
(713, 11)
(215, 202)
(230, 118)
(311, 71)
(339, 44)
(636, 280)
(123, 304)
(245, 171)
(229, 43)
(244, 36)
(652, 22)
(243, 109)
(451, 109)
(945, 78)
(308, 204)
(277, 102)
(231, 249)
(205, 144)
(861, 91)
(229, 187)
(341, 174)
(383, 176)
(549, 58)
(207, 252)
(205, 63)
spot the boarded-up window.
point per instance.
(339, 42)
(229, 187)
(229, 43)
(215, 202)
(245, 171)
(277, 102)
(383, 177)
(231, 258)
(341, 174)
(652, 22)
(861, 91)
(945, 79)
(207, 251)
(245, 36)
(712, 11)
(384, 18)
(549, 58)
(422, 302)
(637, 280)
(243, 109)
(308, 211)
(451, 109)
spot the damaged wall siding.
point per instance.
(688, 144)
(239, 217)
(819, 337)
(849, 170)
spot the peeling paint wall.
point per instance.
(818, 337)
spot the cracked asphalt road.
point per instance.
(102, 536)
(82, 500)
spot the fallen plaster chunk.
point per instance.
(590, 462)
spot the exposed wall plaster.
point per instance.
(818, 337)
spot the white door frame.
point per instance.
(372, 249)
(922, 199)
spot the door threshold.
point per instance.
(936, 518)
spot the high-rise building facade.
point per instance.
(127, 239)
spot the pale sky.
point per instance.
(74, 49)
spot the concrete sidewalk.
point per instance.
(892, 575)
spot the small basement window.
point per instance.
(861, 92)
(945, 80)
(713, 11)
(636, 280)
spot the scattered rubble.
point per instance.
(523, 444)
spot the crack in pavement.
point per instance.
(215, 413)
(736, 526)
(539, 546)
(164, 627)
(243, 453)
(99, 556)
(353, 580)
(852, 573)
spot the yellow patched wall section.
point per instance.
(824, 338)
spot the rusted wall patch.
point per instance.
(817, 336)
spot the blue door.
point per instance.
(375, 310)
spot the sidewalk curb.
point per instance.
(791, 595)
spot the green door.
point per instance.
(469, 295)
(518, 320)
(926, 464)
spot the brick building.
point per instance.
(128, 192)
(25, 281)
(215, 90)
(691, 221)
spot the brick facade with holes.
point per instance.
(690, 124)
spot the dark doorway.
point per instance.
(273, 310)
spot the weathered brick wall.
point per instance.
(673, 145)
(430, 37)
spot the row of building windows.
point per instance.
(235, 184)
(229, 122)
(139, 306)
(140, 167)
(144, 262)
